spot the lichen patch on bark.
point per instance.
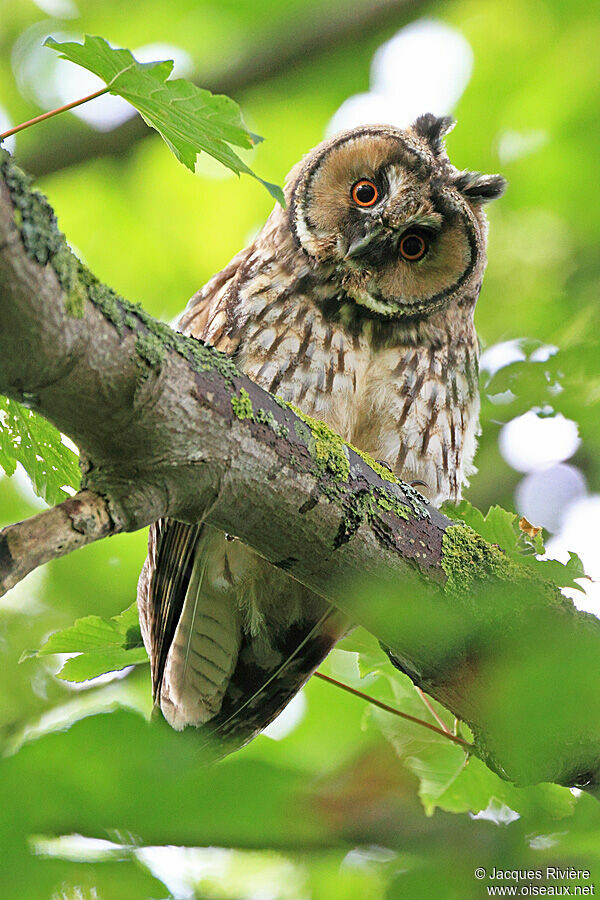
(242, 405)
(327, 448)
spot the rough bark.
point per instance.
(303, 41)
(53, 533)
(168, 426)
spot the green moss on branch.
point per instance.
(327, 448)
(242, 405)
(388, 503)
(468, 558)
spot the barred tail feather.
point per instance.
(257, 693)
(230, 638)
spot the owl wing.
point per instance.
(230, 638)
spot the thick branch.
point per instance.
(298, 43)
(168, 426)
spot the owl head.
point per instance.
(386, 214)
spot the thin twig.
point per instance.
(429, 706)
(53, 112)
(396, 712)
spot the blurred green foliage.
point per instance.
(351, 802)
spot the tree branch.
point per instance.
(170, 427)
(72, 524)
(301, 42)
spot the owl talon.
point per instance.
(413, 484)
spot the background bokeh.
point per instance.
(326, 806)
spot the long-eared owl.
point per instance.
(355, 304)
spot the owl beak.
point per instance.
(361, 244)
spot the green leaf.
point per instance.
(371, 657)
(477, 788)
(562, 574)
(435, 760)
(103, 645)
(31, 440)
(190, 119)
(114, 775)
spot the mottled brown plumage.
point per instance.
(361, 314)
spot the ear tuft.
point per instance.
(480, 188)
(433, 128)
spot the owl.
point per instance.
(355, 304)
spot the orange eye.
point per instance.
(413, 246)
(364, 193)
